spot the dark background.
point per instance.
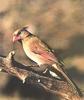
(60, 23)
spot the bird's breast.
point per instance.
(33, 56)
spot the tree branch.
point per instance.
(61, 88)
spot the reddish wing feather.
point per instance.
(40, 48)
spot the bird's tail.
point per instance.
(63, 74)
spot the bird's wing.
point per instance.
(42, 49)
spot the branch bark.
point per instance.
(61, 88)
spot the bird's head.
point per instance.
(20, 34)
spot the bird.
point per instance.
(39, 52)
(36, 49)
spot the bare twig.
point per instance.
(26, 74)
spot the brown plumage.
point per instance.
(40, 53)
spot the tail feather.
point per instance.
(66, 76)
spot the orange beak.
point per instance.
(16, 38)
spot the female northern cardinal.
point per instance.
(39, 52)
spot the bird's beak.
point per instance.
(16, 38)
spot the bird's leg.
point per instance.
(47, 71)
(40, 68)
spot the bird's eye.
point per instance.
(22, 32)
(19, 33)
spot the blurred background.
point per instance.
(60, 23)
